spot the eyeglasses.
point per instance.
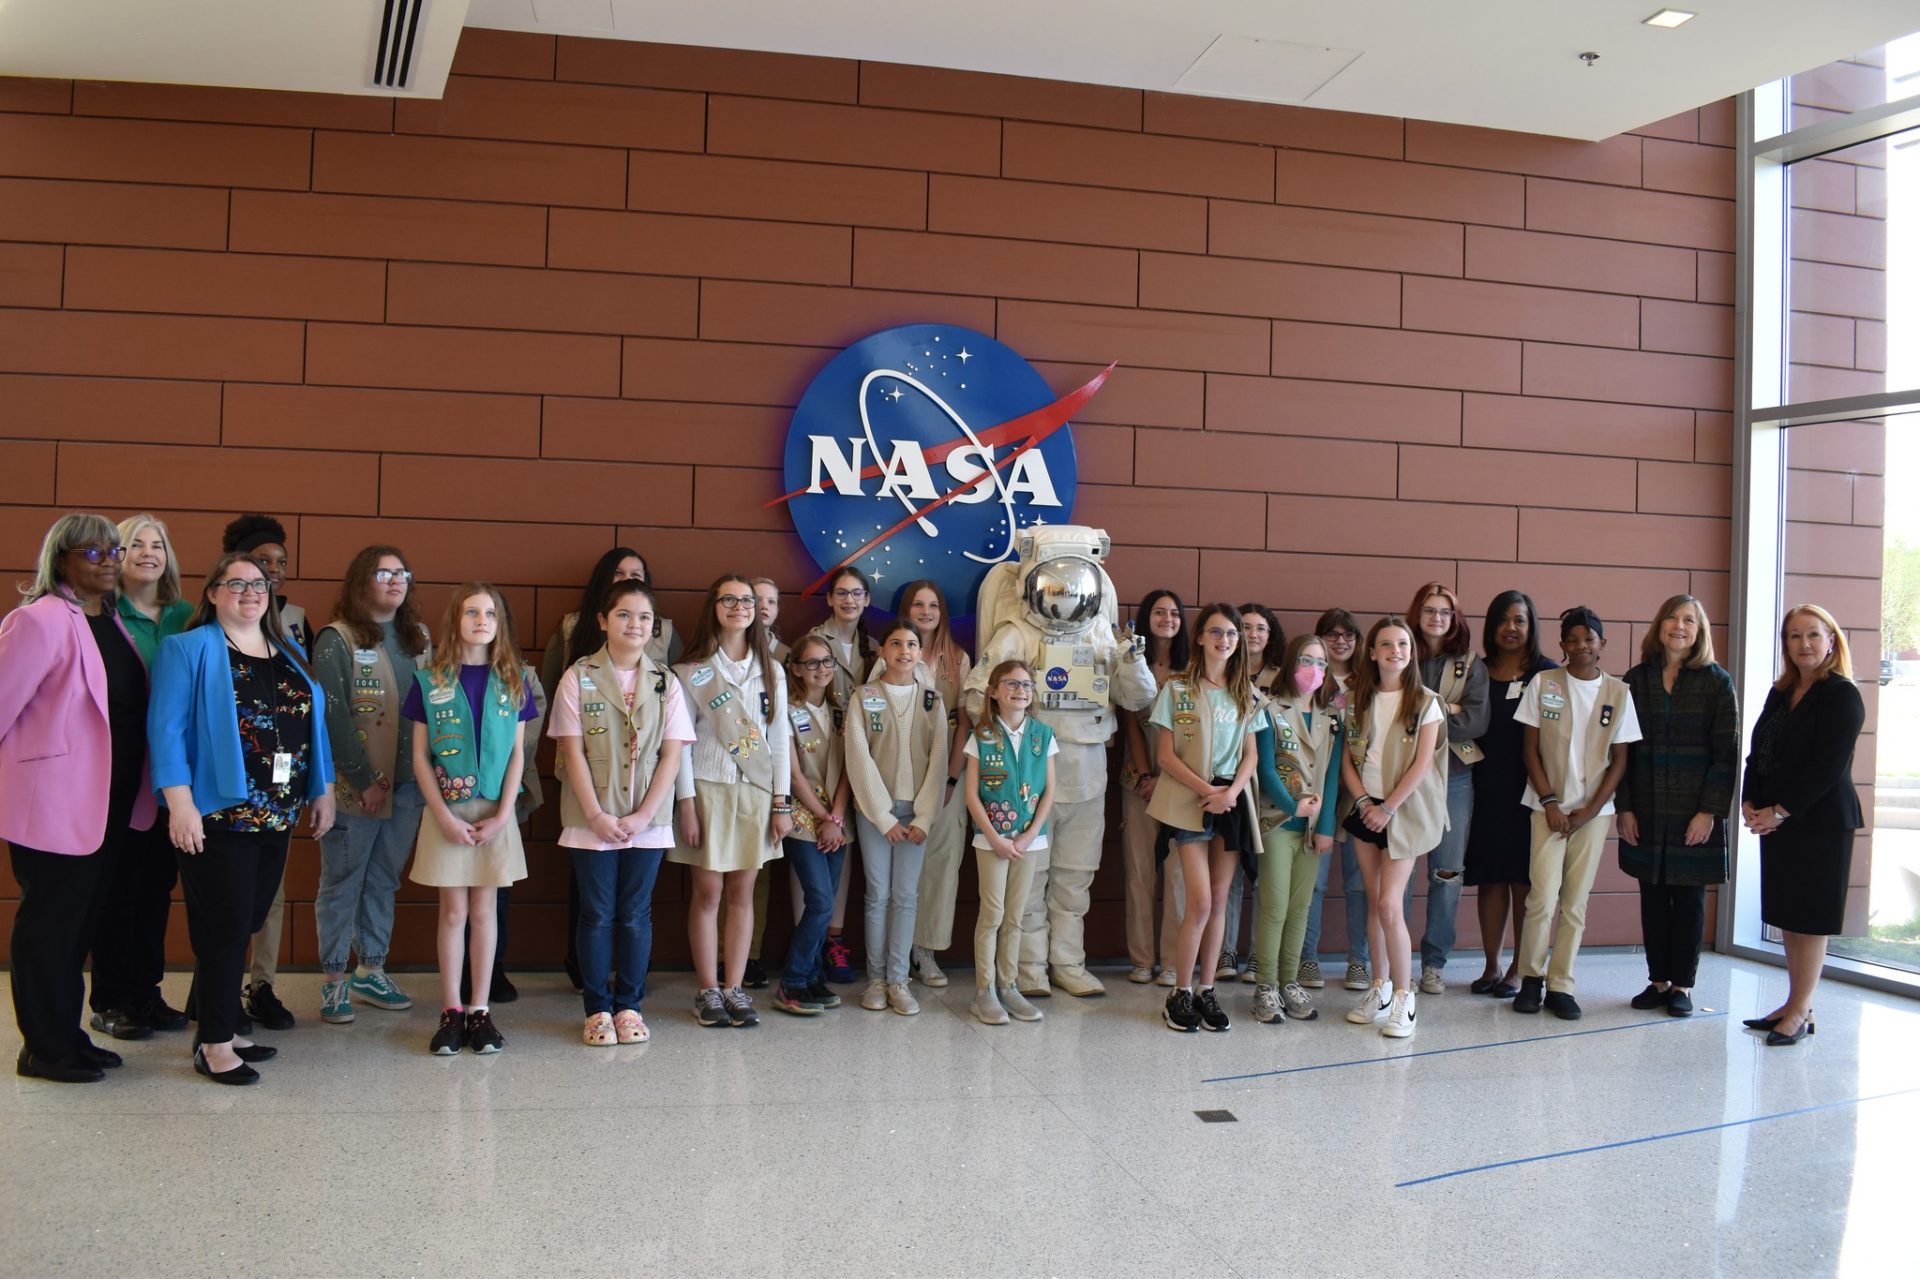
(816, 664)
(1342, 637)
(1017, 685)
(1304, 660)
(844, 594)
(247, 585)
(735, 601)
(1437, 614)
(387, 575)
(101, 554)
(1222, 632)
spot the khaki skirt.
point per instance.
(735, 828)
(440, 863)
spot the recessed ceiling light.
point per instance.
(1669, 18)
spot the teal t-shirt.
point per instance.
(1229, 729)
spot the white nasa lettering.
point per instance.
(844, 473)
(967, 464)
(1030, 476)
(905, 474)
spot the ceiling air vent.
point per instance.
(393, 60)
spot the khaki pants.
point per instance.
(940, 876)
(1562, 870)
(1053, 924)
(266, 942)
(1004, 889)
(1288, 868)
(1137, 834)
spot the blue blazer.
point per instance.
(193, 730)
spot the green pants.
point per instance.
(1288, 868)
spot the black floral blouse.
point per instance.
(275, 709)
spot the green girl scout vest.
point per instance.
(611, 736)
(1011, 782)
(462, 772)
(738, 726)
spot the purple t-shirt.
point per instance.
(473, 679)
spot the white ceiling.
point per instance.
(1509, 66)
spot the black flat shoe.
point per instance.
(1777, 1040)
(1483, 985)
(1681, 1003)
(91, 1054)
(256, 1052)
(28, 1066)
(1505, 990)
(1653, 997)
(121, 1023)
(239, 1075)
(1562, 1005)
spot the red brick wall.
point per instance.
(1356, 352)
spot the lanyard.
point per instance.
(282, 760)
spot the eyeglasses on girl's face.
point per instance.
(384, 576)
(816, 664)
(246, 585)
(1017, 685)
(848, 593)
(1305, 660)
(735, 601)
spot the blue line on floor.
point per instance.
(1465, 1048)
(1662, 1136)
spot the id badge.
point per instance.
(282, 768)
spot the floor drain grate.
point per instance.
(1216, 1116)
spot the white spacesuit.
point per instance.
(1055, 609)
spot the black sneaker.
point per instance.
(481, 1035)
(158, 1014)
(1528, 1000)
(837, 960)
(265, 1007)
(1681, 1005)
(121, 1023)
(795, 1000)
(739, 1007)
(1562, 1005)
(820, 993)
(1650, 998)
(1179, 1013)
(452, 1035)
(708, 1009)
(1212, 1016)
(756, 976)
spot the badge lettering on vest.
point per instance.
(1606, 715)
(701, 677)
(1549, 714)
(440, 696)
(873, 702)
(365, 657)
(1552, 698)
(802, 724)
(586, 684)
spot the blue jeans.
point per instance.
(819, 875)
(360, 863)
(893, 896)
(1355, 886)
(1444, 866)
(616, 925)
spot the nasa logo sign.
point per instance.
(1057, 678)
(920, 452)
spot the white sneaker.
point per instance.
(1017, 1006)
(1399, 1023)
(1431, 980)
(925, 970)
(1373, 1005)
(986, 1008)
(1358, 978)
(1140, 976)
(901, 1000)
(874, 998)
(1266, 1005)
(1165, 978)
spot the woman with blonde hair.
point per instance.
(1799, 798)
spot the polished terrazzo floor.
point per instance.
(866, 1143)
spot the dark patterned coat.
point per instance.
(1685, 763)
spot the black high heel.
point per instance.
(1777, 1040)
(241, 1074)
(1761, 1023)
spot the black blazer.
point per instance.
(1811, 772)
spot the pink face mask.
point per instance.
(1307, 679)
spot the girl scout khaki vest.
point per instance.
(738, 722)
(1557, 742)
(1173, 803)
(657, 647)
(816, 744)
(610, 735)
(849, 660)
(373, 703)
(1453, 686)
(1417, 826)
(1302, 753)
(871, 716)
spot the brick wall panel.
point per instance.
(691, 558)
(431, 359)
(1274, 124)
(1516, 479)
(1835, 550)
(727, 186)
(1105, 454)
(112, 345)
(26, 472)
(1100, 106)
(359, 419)
(112, 213)
(1353, 354)
(726, 372)
(1134, 396)
(1366, 585)
(1352, 410)
(1686, 328)
(1713, 437)
(51, 97)
(1236, 286)
(733, 497)
(1688, 169)
(1853, 601)
(705, 70)
(1517, 311)
(1176, 516)
(1339, 525)
(1869, 499)
(358, 226)
(1628, 377)
(1822, 184)
(853, 135)
(1839, 238)
(536, 111)
(656, 431)
(266, 285)
(1686, 488)
(1650, 217)
(1003, 268)
(1138, 569)
(1615, 593)
(130, 475)
(416, 486)
(1264, 463)
(1405, 190)
(1870, 345)
(745, 311)
(1824, 497)
(1713, 274)
(214, 104)
(1615, 161)
(1578, 426)
(1291, 234)
(1161, 339)
(557, 301)
(667, 244)
(1604, 537)
(89, 408)
(1579, 262)
(1066, 214)
(443, 550)
(520, 54)
(1147, 162)
(1684, 127)
(468, 169)
(30, 274)
(152, 151)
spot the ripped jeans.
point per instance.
(1444, 871)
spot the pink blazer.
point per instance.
(56, 753)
